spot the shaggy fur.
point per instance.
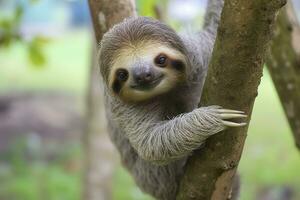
(155, 137)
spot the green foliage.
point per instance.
(35, 51)
(27, 178)
(9, 28)
(10, 33)
(146, 8)
(33, 1)
(67, 56)
(124, 187)
(42, 182)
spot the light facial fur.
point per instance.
(144, 53)
(153, 79)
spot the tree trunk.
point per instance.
(106, 13)
(234, 74)
(283, 63)
(99, 165)
(99, 152)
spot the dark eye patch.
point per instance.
(121, 77)
(116, 86)
(177, 64)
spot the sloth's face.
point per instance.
(146, 70)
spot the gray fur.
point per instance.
(155, 137)
(129, 32)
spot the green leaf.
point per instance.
(18, 14)
(5, 41)
(33, 1)
(146, 8)
(6, 24)
(35, 54)
(40, 40)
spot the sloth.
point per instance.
(153, 79)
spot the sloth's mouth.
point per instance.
(149, 85)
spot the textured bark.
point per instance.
(98, 149)
(99, 152)
(284, 66)
(106, 13)
(234, 75)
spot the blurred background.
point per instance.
(45, 58)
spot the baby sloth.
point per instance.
(153, 81)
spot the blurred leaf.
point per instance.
(40, 40)
(35, 54)
(9, 28)
(36, 57)
(6, 24)
(146, 8)
(18, 15)
(9, 33)
(5, 40)
(33, 1)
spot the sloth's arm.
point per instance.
(165, 141)
(212, 16)
(200, 44)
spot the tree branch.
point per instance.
(234, 75)
(106, 13)
(283, 63)
(98, 169)
(99, 159)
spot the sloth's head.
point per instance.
(142, 58)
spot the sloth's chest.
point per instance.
(178, 103)
(171, 110)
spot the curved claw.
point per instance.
(230, 111)
(231, 115)
(233, 124)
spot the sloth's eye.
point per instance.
(122, 75)
(161, 60)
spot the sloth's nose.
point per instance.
(143, 76)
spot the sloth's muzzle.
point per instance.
(145, 77)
